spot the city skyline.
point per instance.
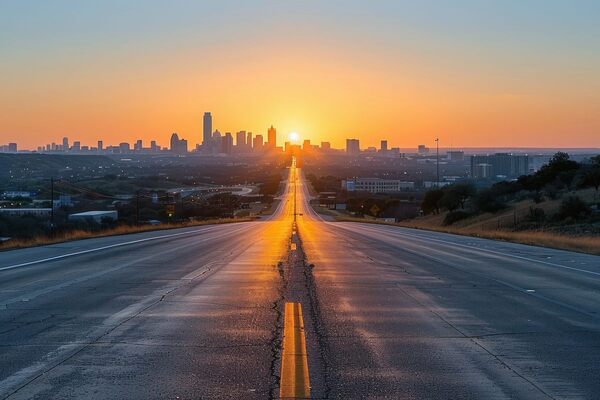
(504, 74)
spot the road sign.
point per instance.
(170, 210)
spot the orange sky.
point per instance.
(324, 82)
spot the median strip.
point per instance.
(294, 382)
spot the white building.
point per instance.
(376, 185)
(97, 216)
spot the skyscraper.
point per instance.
(384, 147)
(257, 143)
(272, 138)
(100, 146)
(249, 141)
(240, 140)
(207, 129)
(227, 143)
(352, 146)
(65, 144)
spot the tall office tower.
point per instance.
(249, 141)
(257, 143)
(352, 146)
(65, 144)
(207, 129)
(138, 145)
(272, 138)
(384, 146)
(306, 144)
(175, 143)
(76, 146)
(227, 143)
(12, 147)
(153, 147)
(240, 140)
(100, 146)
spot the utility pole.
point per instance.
(437, 144)
(52, 206)
(137, 207)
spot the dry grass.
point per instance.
(120, 230)
(582, 244)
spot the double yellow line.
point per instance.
(295, 382)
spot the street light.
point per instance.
(437, 145)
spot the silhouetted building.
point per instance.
(325, 146)
(456, 155)
(207, 130)
(138, 146)
(12, 147)
(227, 143)
(352, 146)
(65, 144)
(384, 147)
(240, 140)
(257, 143)
(499, 165)
(271, 138)
(178, 146)
(100, 146)
(422, 149)
(249, 141)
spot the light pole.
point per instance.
(437, 152)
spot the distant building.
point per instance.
(240, 140)
(352, 146)
(76, 146)
(207, 130)
(249, 141)
(65, 144)
(178, 146)
(376, 185)
(138, 146)
(306, 145)
(100, 146)
(123, 147)
(272, 138)
(499, 165)
(326, 146)
(455, 155)
(96, 216)
(257, 143)
(227, 143)
(422, 149)
(384, 146)
(38, 212)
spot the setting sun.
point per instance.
(294, 137)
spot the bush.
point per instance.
(455, 216)
(573, 207)
(536, 214)
(487, 200)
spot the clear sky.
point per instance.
(474, 73)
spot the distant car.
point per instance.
(153, 222)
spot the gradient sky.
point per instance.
(474, 73)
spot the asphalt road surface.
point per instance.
(389, 313)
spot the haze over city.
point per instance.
(283, 200)
(499, 74)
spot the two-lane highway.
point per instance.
(355, 311)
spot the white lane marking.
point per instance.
(423, 237)
(77, 253)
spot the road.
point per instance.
(387, 313)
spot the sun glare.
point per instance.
(294, 137)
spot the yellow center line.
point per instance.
(295, 382)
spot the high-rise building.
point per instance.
(306, 145)
(499, 165)
(240, 140)
(384, 147)
(65, 144)
(12, 147)
(257, 143)
(123, 147)
(249, 141)
(352, 146)
(138, 146)
(100, 146)
(227, 143)
(272, 138)
(153, 146)
(326, 146)
(178, 146)
(76, 146)
(207, 129)
(422, 149)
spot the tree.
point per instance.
(431, 201)
(591, 178)
(450, 200)
(573, 207)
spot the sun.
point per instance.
(294, 137)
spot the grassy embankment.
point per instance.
(120, 230)
(486, 226)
